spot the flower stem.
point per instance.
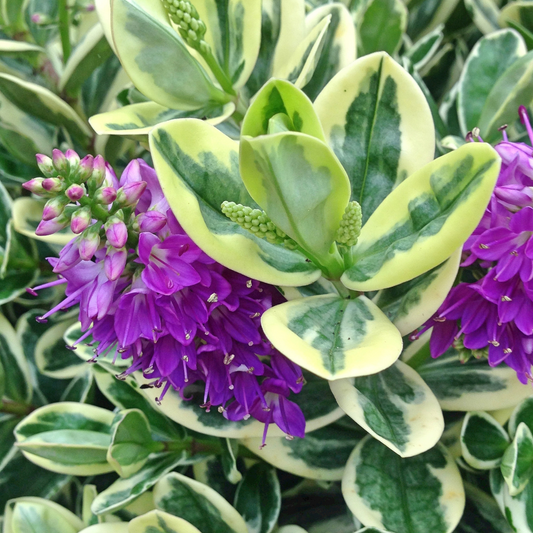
(64, 29)
(217, 71)
(15, 408)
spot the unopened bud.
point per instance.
(41, 19)
(35, 186)
(69, 256)
(48, 227)
(60, 161)
(130, 193)
(151, 221)
(98, 173)
(54, 207)
(105, 195)
(116, 232)
(53, 184)
(73, 160)
(115, 262)
(80, 220)
(85, 169)
(350, 225)
(46, 166)
(89, 243)
(75, 192)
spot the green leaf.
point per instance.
(315, 400)
(485, 14)
(333, 337)
(395, 406)
(17, 375)
(411, 304)
(502, 103)
(184, 153)
(523, 412)
(485, 65)
(300, 184)
(156, 58)
(131, 442)
(125, 490)
(80, 389)
(382, 26)
(518, 15)
(338, 47)
(425, 48)
(44, 104)
(139, 119)
(69, 438)
(483, 441)
(425, 16)
(473, 385)
(258, 498)
(425, 219)
(116, 527)
(377, 121)
(230, 452)
(412, 495)
(321, 455)
(10, 47)
(517, 462)
(159, 522)
(234, 34)
(197, 503)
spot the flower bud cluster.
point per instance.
(189, 24)
(256, 222)
(350, 226)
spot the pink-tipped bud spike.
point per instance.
(73, 160)
(85, 169)
(53, 184)
(105, 195)
(115, 262)
(35, 186)
(116, 232)
(46, 165)
(90, 241)
(129, 194)
(60, 161)
(151, 221)
(524, 119)
(49, 227)
(54, 207)
(80, 220)
(75, 192)
(98, 174)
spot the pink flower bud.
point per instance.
(80, 220)
(98, 174)
(75, 192)
(130, 193)
(46, 166)
(60, 161)
(69, 256)
(85, 169)
(48, 227)
(53, 184)
(73, 160)
(54, 207)
(116, 232)
(151, 221)
(115, 262)
(105, 195)
(35, 186)
(90, 241)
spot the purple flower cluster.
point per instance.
(495, 313)
(148, 292)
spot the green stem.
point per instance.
(64, 29)
(419, 357)
(97, 210)
(341, 289)
(217, 71)
(15, 408)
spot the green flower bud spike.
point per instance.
(192, 29)
(350, 226)
(258, 223)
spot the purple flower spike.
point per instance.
(49, 227)
(152, 221)
(75, 192)
(116, 232)
(35, 186)
(54, 207)
(73, 160)
(80, 220)
(115, 262)
(106, 195)
(85, 169)
(46, 165)
(52, 184)
(130, 193)
(60, 161)
(99, 171)
(89, 243)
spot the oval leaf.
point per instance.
(517, 462)
(160, 522)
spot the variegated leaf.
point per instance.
(425, 48)
(321, 455)
(483, 441)
(103, 9)
(518, 15)
(117, 527)
(315, 400)
(339, 48)
(425, 17)
(139, 119)
(44, 104)
(485, 14)
(517, 509)
(379, 125)
(517, 462)
(523, 412)
(197, 503)
(333, 337)
(425, 219)
(485, 65)
(156, 58)
(10, 47)
(67, 438)
(160, 522)
(410, 304)
(321, 286)
(412, 495)
(395, 406)
(234, 33)
(184, 153)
